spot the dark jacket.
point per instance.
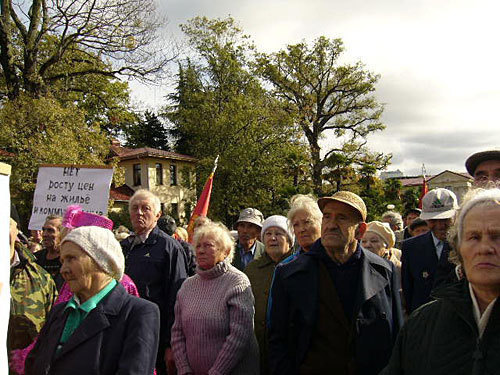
(421, 270)
(119, 336)
(294, 309)
(442, 337)
(259, 250)
(158, 268)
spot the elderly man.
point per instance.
(335, 309)
(484, 166)
(424, 258)
(48, 257)
(278, 242)
(248, 248)
(156, 263)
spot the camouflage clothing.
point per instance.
(32, 294)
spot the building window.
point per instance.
(137, 174)
(173, 175)
(159, 174)
(174, 211)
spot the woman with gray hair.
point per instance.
(102, 329)
(305, 217)
(459, 332)
(214, 311)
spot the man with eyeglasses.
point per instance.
(248, 248)
(48, 257)
(484, 166)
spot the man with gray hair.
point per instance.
(157, 265)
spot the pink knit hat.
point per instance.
(75, 217)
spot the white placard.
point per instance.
(5, 274)
(59, 186)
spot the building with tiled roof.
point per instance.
(169, 175)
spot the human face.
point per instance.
(439, 227)
(142, 215)
(77, 268)
(419, 230)
(51, 234)
(276, 242)
(372, 242)
(480, 247)
(410, 218)
(486, 171)
(247, 234)
(36, 235)
(338, 228)
(305, 229)
(208, 252)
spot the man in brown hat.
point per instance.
(484, 166)
(248, 248)
(336, 308)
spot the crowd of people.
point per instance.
(318, 291)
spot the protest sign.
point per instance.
(4, 266)
(59, 186)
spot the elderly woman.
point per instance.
(101, 329)
(278, 241)
(379, 239)
(305, 217)
(213, 328)
(459, 332)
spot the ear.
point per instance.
(360, 231)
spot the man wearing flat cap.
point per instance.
(424, 258)
(248, 248)
(335, 309)
(484, 166)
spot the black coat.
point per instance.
(293, 310)
(158, 268)
(421, 270)
(119, 336)
(442, 337)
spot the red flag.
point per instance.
(425, 190)
(201, 208)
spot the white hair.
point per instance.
(306, 203)
(144, 193)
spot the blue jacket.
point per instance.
(119, 336)
(293, 309)
(158, 268)
(421, 270)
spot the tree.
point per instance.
(325, 97)
(220, 108)
(122, 33)
(39, 131)
(148, 131)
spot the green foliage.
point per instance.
(148, 131)
(40, 131)
(410, 198)
(326, 98)
(220, 108)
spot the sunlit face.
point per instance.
(486, 171)
(306, 230)
(77, 268)
(51, 234)
(209, 252)
(248, 233)
(439, 227)
(421, 229)
(142, 215)
(276, 242)
(338, 227)
(480, 247)
(371, 241)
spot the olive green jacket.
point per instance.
(33, 292)
(260, 273)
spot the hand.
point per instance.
(169, 360)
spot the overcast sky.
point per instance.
(438, 61)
